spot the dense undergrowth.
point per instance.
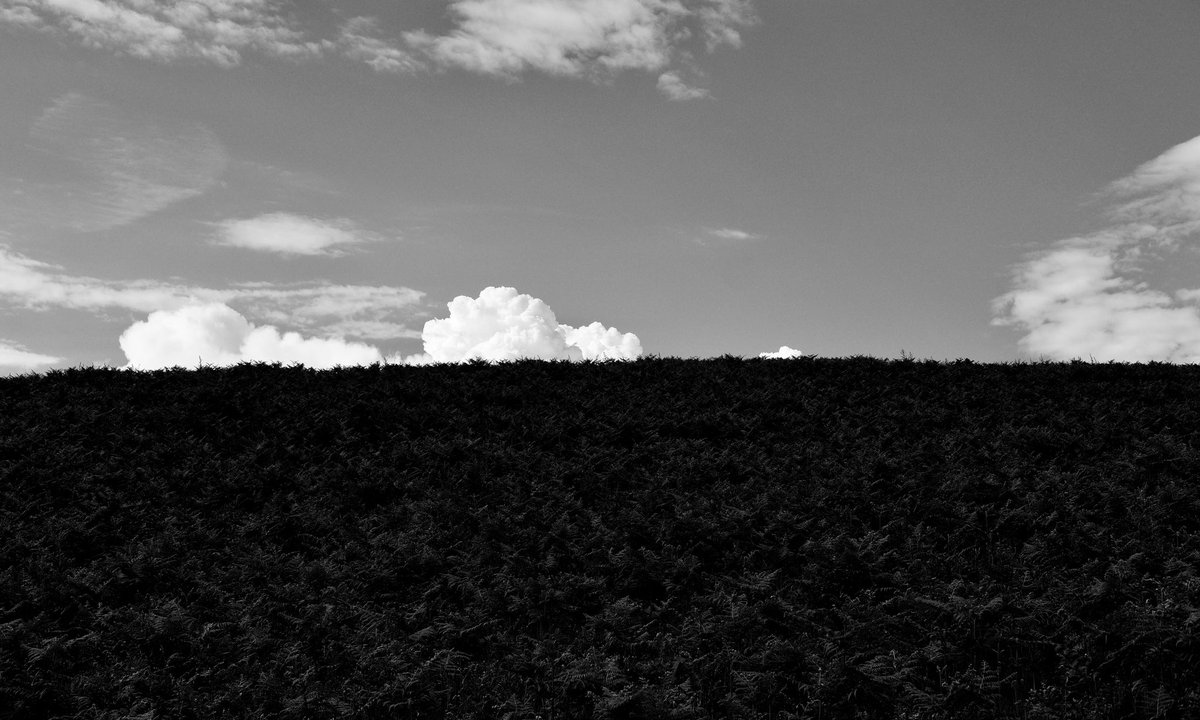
(723, 538)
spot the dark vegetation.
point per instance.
(724, 538)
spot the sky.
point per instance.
(190, 182)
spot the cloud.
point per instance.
(290, 234)
(359, 41)
(216, 31)
(13, 355)
(783, 353)
(731, 234)
(1086, 296)
(321, 307)
(123, 166)
(673, 86)
(216, 334)
(505, 38)
(593, 38)
(724, 237)
(502, 324)
(20, 15)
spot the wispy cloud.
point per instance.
(290, 234)
(217, 31)
(1088, 296)
(673, 86)
(324, 308)
(360, 40)
(732, 234)
(595, 39)
(124, 166)
(725, 236)
(584, 38)
(15, 356)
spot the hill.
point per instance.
(665, 538)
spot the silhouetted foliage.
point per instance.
(666, 538)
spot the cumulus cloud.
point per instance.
(125, 165)
(216, 31)
(216, 334)
(1088, 297)
(502, 324)
(315, 307)
(16, 357)
(783, 353)
(290, 234)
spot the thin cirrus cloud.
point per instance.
(1087, 296)
(505, 38)
(123, 166)
(14, 356)
(503, 324)
(289, 234)
(725, 236)
(367, 312)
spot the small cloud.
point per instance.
(502, 324)
(725, 237)
(732, 234)
(783, 353)
(15, 356)
(1085, 296)
(216, 334)
(290, 234)
(673, 86)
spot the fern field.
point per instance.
(665, 538)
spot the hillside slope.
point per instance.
(665, 538)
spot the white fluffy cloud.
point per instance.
(14, 356)
(502, 324)
(216, 334)
(290, 234)
(217, 31)
(1084, 297)
(783, 353)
